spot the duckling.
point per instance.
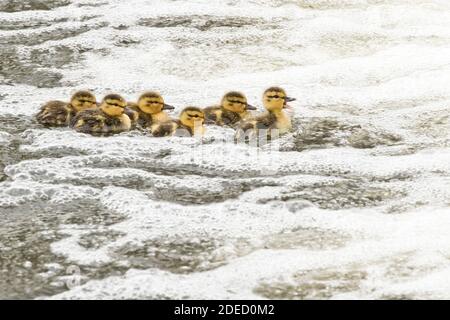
(58, 113)
(108, 118)
(150, 108)
(191, 123)
(233, 109)
(275, 100)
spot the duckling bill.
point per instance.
(190, 123)
(58, 113)
(109, 118)
(233, 109)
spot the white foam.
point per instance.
(5, 138)
(400, 235)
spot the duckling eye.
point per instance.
(116, 105)
(151, 103)
(275, 97)
(235, 101)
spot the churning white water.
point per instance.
(355, 203)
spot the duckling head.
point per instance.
(192, 117)
(275, 99)
(152, 103)
(113, 105)
(83, 100)
(236, 102)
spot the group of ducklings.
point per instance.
(115, 115)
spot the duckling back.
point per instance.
(220, 116)
(230, 118)
(55, 114)
(261, 129)
(96, 122)
(213, 115)
(164, 129)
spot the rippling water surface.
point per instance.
(354, 204)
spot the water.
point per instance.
(353, 204)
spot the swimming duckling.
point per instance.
(190, 124)
(233, 109)
(275, 100)
(58, 113)
(150, 108)
(108, 118)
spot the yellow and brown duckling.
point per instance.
(233, 109)
(108, 118)
(151, 109)
(190, 123)
(58, 113)
(275, 100)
